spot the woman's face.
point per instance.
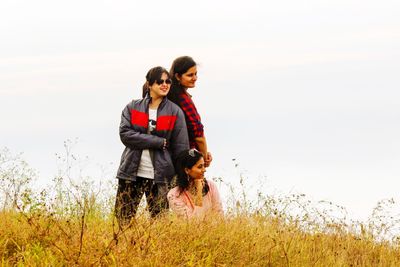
(160, 87)
(189, 78)
(198, 170)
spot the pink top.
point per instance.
(182, 204)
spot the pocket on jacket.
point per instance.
(165, 161)
(129, 161)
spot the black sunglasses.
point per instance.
(161, 81)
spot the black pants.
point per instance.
(130, 193)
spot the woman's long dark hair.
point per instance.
(187, 159)
(180, 66)
(152, 76)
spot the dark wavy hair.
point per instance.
(180, 66)
(187, 159)
(152, 76)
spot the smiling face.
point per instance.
(160, 87)
(189, 78)
(198, 170)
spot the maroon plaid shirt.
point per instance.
(193, 120)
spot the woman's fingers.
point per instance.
(208, 159)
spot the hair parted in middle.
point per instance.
(152, 76)
(180, 66)
(187, 159)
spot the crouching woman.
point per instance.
(154, 132)
(184, 199)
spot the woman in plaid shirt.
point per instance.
(184, 75)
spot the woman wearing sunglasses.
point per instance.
(154, 132)
(183, 199)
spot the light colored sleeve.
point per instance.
(215, 198)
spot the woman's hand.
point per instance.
(208, 159)
(165, 145)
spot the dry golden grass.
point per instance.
(243, 240)
(70, 224)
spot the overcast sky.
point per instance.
(305, 93)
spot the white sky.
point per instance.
(304, 92)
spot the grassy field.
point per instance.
(71, 224)
(39, 239)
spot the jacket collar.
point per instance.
(147, 99)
